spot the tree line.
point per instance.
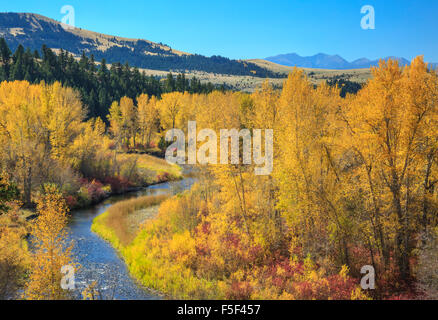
(98, 83)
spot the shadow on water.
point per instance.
(99, 261)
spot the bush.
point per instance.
(90, 192)
(427, 270)
(152, 145)
(164, 177)
(117, 184)
(71, 201)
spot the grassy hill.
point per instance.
(33, 31)
(318, 75)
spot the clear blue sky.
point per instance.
(258, 29)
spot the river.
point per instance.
(99, 261)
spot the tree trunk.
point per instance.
(27, 187)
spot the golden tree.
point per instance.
(38, 124)
(147, 117)
(115, 119)
(306, 169)
(14, 257)
(52, 251)
(393, 127)
(170, 108)
(129, 119)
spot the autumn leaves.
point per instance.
(353, 184)
(360, 172)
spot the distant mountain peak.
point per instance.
(326, 61)
(320, 60)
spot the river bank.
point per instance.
(99, 259)
(144, 256)
(150, 171)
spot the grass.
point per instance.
(116, 227)
(145, 261)
(17, 221)
(119, 224)
(153, 166)
(318, 75)
(249, 83)
(143, 253)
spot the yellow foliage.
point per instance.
(51, 249)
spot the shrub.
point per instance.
(118, 184)
(427, 270)
(164, 177)
(152, 145)
(71, 201)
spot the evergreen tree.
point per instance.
(5, 57)
(98, 85)
(17, 70)
(170, 84)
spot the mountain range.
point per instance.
(33, 31)
(333, 62)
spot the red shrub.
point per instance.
(205, 228)
(118, 184)
(202, 250)
(232, 240)
(95, 190)
(239, 291)
(163, 177)
(71, 201)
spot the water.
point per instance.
(99, 261)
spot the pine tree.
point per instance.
(5, 57)
(17, 70)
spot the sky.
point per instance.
(244, 29)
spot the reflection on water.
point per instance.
(99, 261)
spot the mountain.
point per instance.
(366, 63)
(320, 61)
(33, 31)
(325, 61)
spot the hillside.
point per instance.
(318, 75)
(250, 83)
(33, 31)
(154, 59)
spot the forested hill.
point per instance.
(98, 84)
(33, 31)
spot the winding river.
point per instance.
(99, 261)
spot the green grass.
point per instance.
(115, 225)
(99, 227)
(144, 257)
(145, 261)
(147, 164)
